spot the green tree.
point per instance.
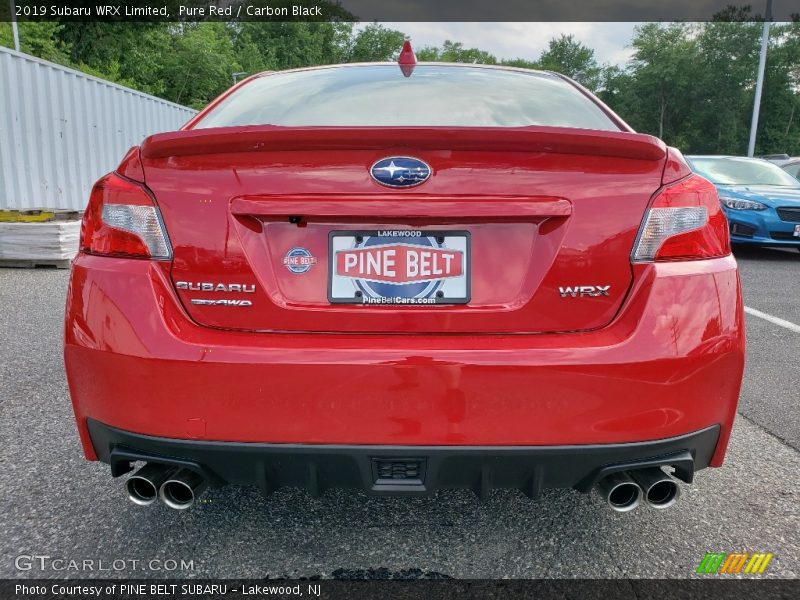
(615, 90)
(455, 52)
(39, 38)
(569, 57)
(779, 125)
(376, 43)
(264, 45)
(725, 86)
(662, 90)
(129, 53)
(199, 64)
(521, 63)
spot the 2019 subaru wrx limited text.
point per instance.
(403, 280)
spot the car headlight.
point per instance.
(739, 204)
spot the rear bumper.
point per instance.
(670, 364)
(481, 469)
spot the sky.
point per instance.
(610, 41)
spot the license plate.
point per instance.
(797, 231)
(399, 267)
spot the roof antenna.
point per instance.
(407, 59)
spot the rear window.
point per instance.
(433, 96)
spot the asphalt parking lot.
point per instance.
(56, 504)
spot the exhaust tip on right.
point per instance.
(660, 490)
(181, 490)
(177, 495)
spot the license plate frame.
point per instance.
(448, 290)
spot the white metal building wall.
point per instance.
(61, 129)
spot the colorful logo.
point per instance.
(299, 260)
(400, 171)
(742, 562)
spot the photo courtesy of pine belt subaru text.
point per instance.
(403, 278)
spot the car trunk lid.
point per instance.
(517, 230)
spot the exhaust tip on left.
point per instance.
(142, 487)
(140, 491)
(620, 492)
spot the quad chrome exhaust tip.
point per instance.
(142, 487)
(181, 489)
(620, 491)
(660, 490)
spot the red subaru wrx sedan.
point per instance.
(403, 279)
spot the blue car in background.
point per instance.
(761, 200)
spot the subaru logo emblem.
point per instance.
(400, 171)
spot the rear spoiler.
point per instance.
(561, 140)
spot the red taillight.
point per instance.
(123, 220)
(684, 222)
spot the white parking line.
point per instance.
(776, 320)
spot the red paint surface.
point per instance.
(552, 216)
(669, 364)
(660, 356)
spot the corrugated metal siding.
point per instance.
(60, 130)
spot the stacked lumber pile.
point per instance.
(38, 238)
